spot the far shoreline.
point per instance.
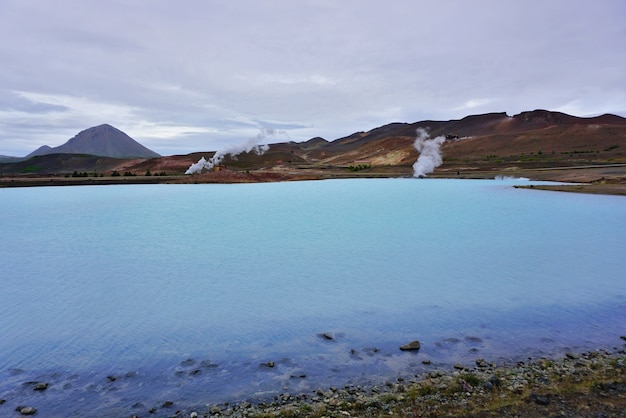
(598, 179)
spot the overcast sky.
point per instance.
(194, 75)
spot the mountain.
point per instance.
(475, 143)
(9, 159)
(42, 150)
(104, 141)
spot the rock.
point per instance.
(426, 362)
(41, 386)
(412, 346)
(495, 380)
(539, 400)
(459, 366)
(26, 410)
(167, 404)
(327, 336)
(187, 362)
(480, 362)
(465, 387)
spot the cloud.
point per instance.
(212, 72)
(474, 103)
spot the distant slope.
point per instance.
(9, 159)
(62, 164)
(491, 136)
(42, 150)
(103, 140)
(492, 141)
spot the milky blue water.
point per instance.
(124, 297)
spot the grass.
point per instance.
(31, 169)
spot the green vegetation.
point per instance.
(360, 167)
(31, 169)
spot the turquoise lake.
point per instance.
(123, 297)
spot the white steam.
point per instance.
(430, 155)
(251, 145)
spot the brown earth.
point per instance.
(540, 145)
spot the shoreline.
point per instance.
(586, 383)
(577, 383)
(606, 179)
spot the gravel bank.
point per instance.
(590, 384)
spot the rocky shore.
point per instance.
(589, 384)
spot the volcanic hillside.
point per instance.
(493, 141)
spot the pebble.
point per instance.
(413, 345)
(41, 386)
(26, 410)
(481, 363)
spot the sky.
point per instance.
(197, 75)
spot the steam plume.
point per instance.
(430, 155)
(251, 145)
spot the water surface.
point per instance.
(122, 297)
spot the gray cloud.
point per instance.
(198, 75)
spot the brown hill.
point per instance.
(493, 141)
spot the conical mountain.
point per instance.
(42, 150)
(105, 141)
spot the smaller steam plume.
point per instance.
(251, 145)
(430, 154)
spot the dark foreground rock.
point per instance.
(412, 346)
